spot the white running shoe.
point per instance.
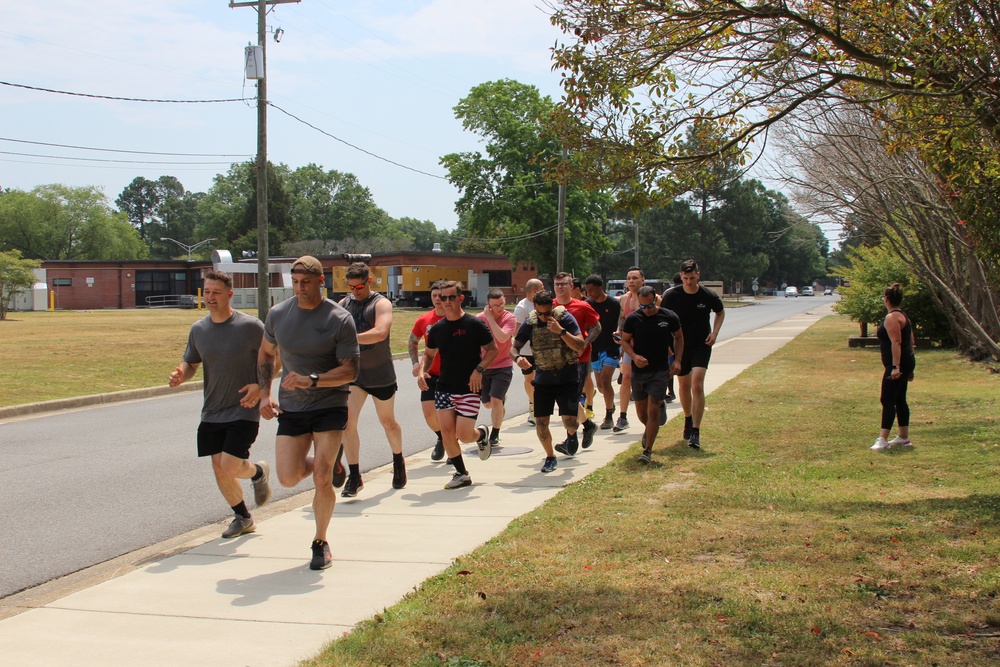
(900, 441)
(881, 444)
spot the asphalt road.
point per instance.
(80, 487)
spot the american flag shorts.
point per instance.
(466, 405)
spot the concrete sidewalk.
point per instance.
(253, 600)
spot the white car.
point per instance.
(791, 290)
(828, 292)
(807, 291)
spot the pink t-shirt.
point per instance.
(508, 323)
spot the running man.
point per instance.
(318, 348)
(521, 312)
(606, 353)
(418, 333)
(497, 378)
(466, 348)
(590, 326)
(694, 305)
(634, 279)
(372, 314)
(648, 334)
(557, 344)
(226, 341)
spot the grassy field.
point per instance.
(784, 542)
(46, 355)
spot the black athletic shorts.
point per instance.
(696, 356)
(566, 396)
(312, 421)
(233, 438)
(583, 368)
(432, 383)
(381, 393)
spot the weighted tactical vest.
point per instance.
(550, 350)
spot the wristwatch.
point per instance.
(315, 379)
(480, 369)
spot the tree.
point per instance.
(638, 74)
(507, 204)
(62, 222)
(330, 205)
(16, 274)
(139, 201)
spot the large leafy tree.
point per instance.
(330, 205)
(507, 203)
(145, 202)
(61, 222)
(639, 74)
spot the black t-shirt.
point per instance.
(652, 336)
(694, 311)
(609, 311)
(458, 344)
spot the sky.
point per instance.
(382, 75)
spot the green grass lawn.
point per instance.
(784, 542)
(49, 355)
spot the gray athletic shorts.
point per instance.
(496, 382)
(652, 385)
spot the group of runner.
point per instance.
(333, 356)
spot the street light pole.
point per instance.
(185, 246)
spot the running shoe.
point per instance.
(549, 465)
(646, 457)
(438, 452)
(588, 434)
(695, 440)
(240, 526)
(561, 448)
(688, 425)
(354, 484)
(621, 425)
(663, 414)
(572, 445)
(339, 471)
(900, 441)
(880, 444)
(671, 397)
(531, 415)
(262, 487)
(458, 480)
(589, 412)
(494, 441)
(483, 443)
(321, 555)
(398, 475)
(609, 422)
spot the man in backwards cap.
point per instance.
(319, 354)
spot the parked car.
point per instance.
(828, 291)
(791, 290)
(807, 291)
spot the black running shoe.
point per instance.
(663, 414)
(354, 484)
(339, 471)
(438, 452)
(561, 448)
(688, 425)
(321, 556)
(695, 441)
(398, 475)
(588, 435)
(646, 456)
(572, 445)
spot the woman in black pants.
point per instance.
(895, 336)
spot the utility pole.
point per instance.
(636, 223)
(263, 268)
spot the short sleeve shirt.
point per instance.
(586, 317)
(694, 310)
(609, 311)
(420, 329)
(228, 351)
(521, 312)
(312, 341)
(508, 324)
(652, 336)
(459, 344)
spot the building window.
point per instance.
(62, 282)
(500, 278)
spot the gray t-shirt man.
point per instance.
(311, 341)
(228, 351)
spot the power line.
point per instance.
(357, 148)
(96, 159)
(121, 99)
(119, 150)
